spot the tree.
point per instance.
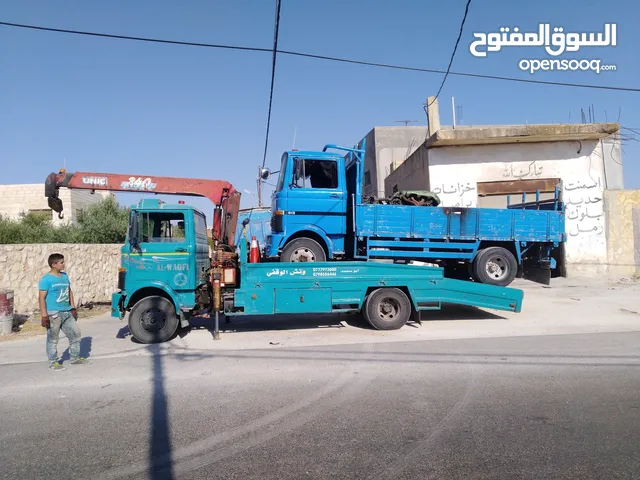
(102, 222)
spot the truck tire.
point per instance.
(153, 320)
(303, 250)
(387, 309)
(495, 266)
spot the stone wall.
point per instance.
(92, 269)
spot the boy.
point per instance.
(58, 311)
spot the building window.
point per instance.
(367, 178)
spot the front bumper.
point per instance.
(272, 245)
(117, 304)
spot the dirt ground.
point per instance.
(28, 326)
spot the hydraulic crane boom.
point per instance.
(223, 195)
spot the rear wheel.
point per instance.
(303, 250)
(387, 309)
(153, 320)
(495, 266)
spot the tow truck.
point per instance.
(166, 279)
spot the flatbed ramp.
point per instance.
(388, 295)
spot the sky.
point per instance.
(119, 106)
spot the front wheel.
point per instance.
(303, 250)
(153, 320)
(495, 266)
(387, 309)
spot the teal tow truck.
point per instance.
(167, 276)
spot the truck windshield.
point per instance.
(161, 227)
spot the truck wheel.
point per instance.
(495, 266)
(153, 320)
(303, 250)
(387, 309)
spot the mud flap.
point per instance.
(415, 316)
(537, 273)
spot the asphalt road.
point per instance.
(543, 407)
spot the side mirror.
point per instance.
(181, 225)
(265, 173)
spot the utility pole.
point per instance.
(453, 110)
(259, 181)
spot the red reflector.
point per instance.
(180, 202)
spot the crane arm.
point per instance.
(223, 195)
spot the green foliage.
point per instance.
(102, 222)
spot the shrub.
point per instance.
(102, 222)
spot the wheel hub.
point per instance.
(388, 309)
(497, 268)
(153, 320)
(303, 255)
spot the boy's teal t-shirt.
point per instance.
(57, 292)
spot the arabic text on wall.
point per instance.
(584, 208)
(456, 194)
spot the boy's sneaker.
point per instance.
(80, 361)
(57, 366)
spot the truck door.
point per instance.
(166, 250)
(317, 196)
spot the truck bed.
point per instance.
(393, 231)
(325, 287)
(459, 223)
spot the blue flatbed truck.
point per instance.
(259, 223)
(165, 280)
(319, 214)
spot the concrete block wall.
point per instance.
(92, 270)
(622, 212)
(387, 148)
(414, 174)
(15, 199)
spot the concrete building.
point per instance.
(480, 166)
(17, 199)
(385, 148)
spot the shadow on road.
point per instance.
(124, 332)
(263, 323)
(160, 451)
(85, 349)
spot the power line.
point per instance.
(462, 74)
(139, 39)
(464, 18)
(273, 76)
(325, 57)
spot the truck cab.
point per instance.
(165, 259)
(309, 207)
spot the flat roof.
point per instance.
(501, 134)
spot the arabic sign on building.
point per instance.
(555, 42)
